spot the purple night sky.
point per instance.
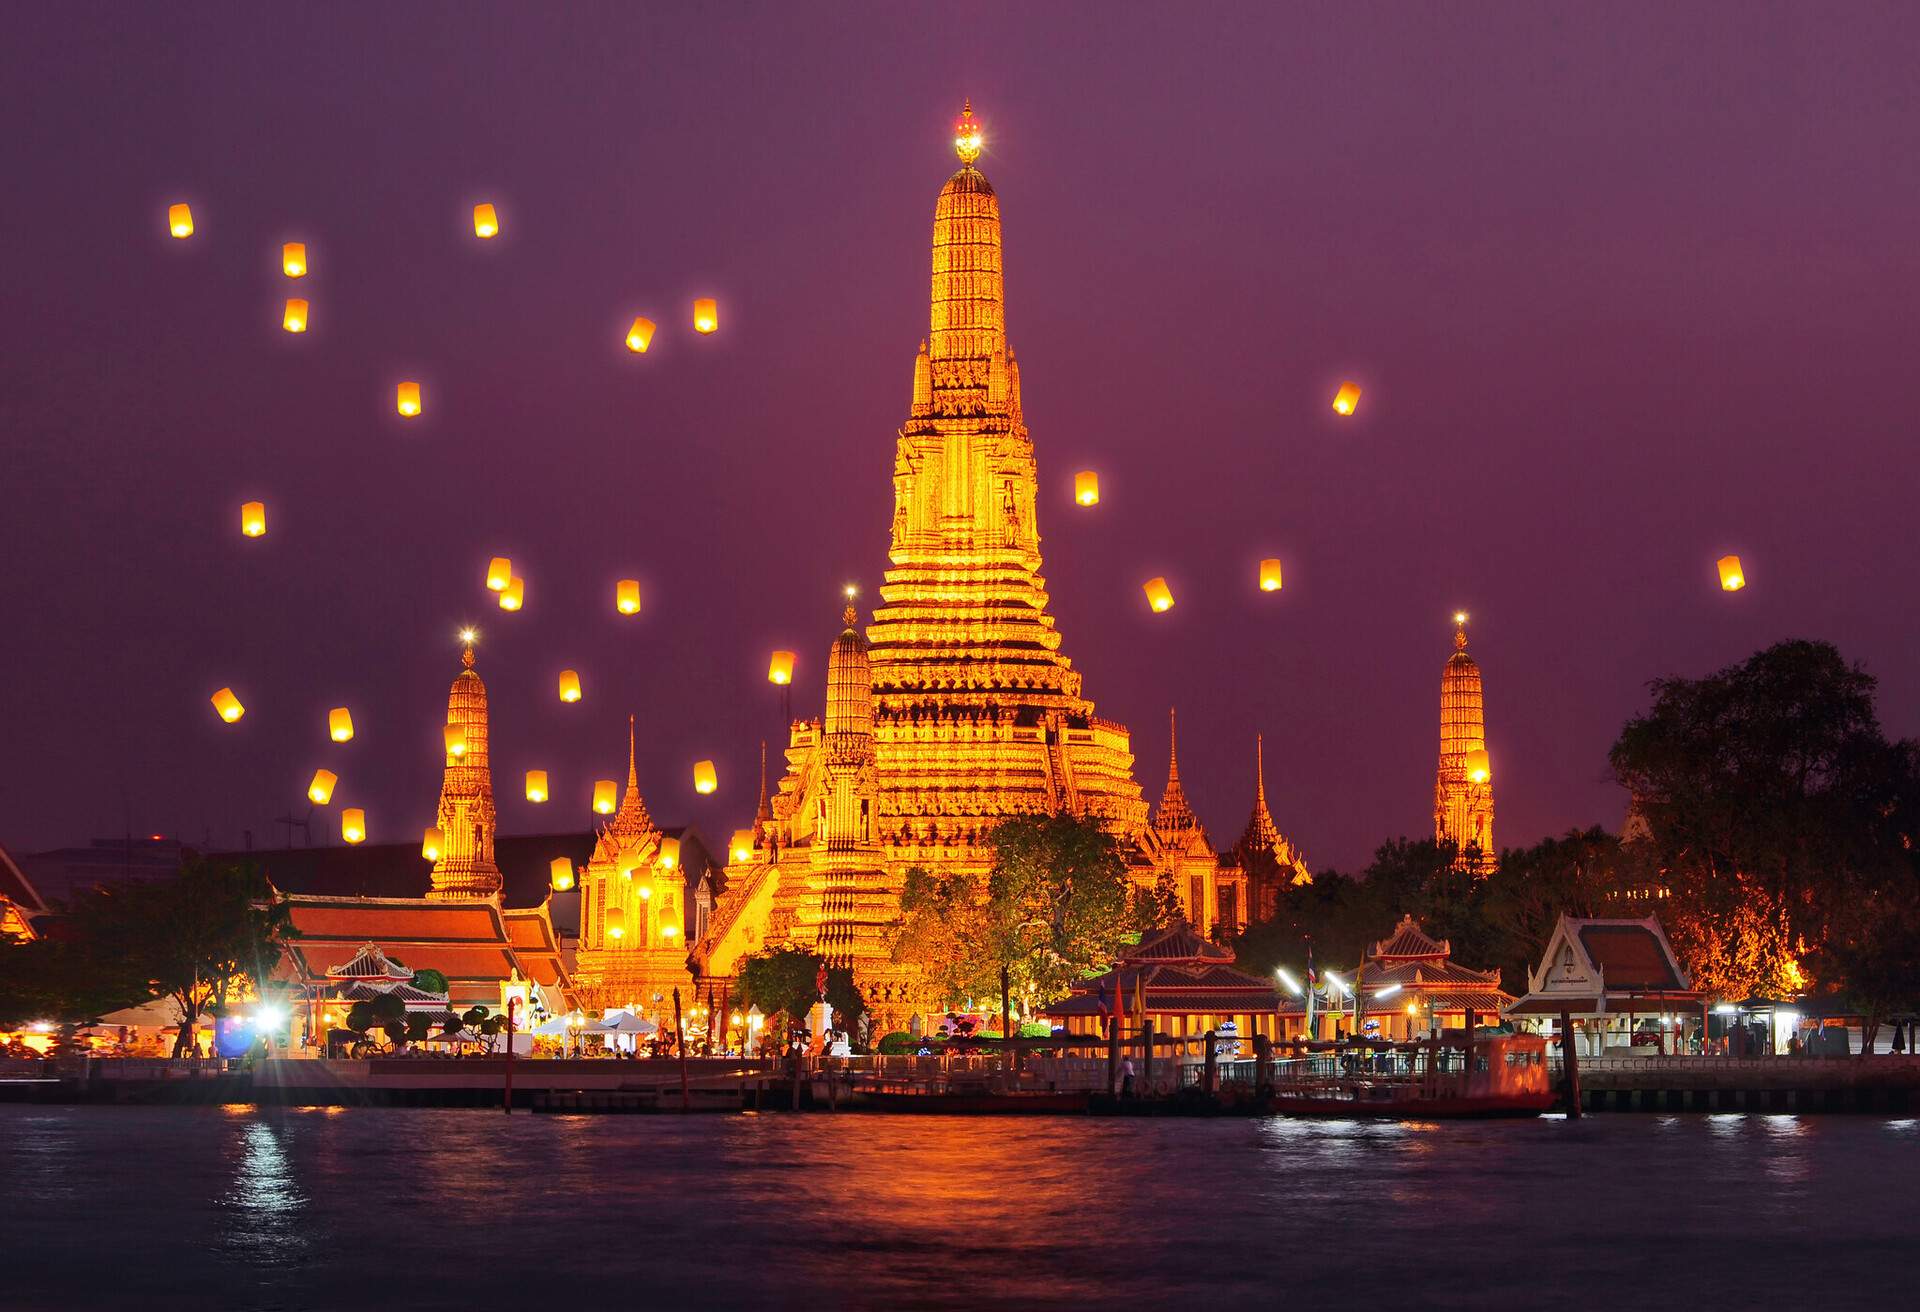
(1626, 288)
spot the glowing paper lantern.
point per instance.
(293, 259)
(603, 796)
(669, 853)
(455, 736)
(1086, 487)
(353, 824)
(513, 594)
(536, 785)
(253, 519)
(1346, 399)
(706, 315)
(616, 923)
(1159, 595)
(485, 222)
(640, 336)
(1269, 575)
(626, 596)
(1732, 577)
(569, 686)
(430, 843)
(180, 221)
(1479, 766)
(228, 705)
(705, 780)
(407, 399)
(320, 791)
(562, 876)
(340, 724)
(741, 846)
(499, 573)
(295, 318)
(780, 668)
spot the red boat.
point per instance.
(1432, 1079)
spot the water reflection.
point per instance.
(264, 1206)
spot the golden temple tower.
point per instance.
(1463, 784)
(1268, 857)
(465, 870)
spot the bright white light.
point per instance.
(1292, 984)
(1334, 980)
(1724, 1009)
(268, 1018)
(1388, 991)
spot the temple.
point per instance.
(1463, 782)
(465, 868)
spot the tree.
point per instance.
(430, 981)
(943, 930)
(1059, 902)
(785, 980)
(1159, 906)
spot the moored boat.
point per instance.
(1503, 1075)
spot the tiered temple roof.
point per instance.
(1172, 971)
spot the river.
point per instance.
(178, 1207)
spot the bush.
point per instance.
(899, 1043)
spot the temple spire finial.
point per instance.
(633, 769)
(1173, 748)
(468, 636)
(1459, 630)
(966, 134)
(1259, 773)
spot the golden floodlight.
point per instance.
(320, 791)
(1732, 577)
(705, 780)
(1086, 487)
(1270, 575)
(293, 259)
(536, 785)
(562, 874)
(640, 336)
(180, 221)
(603, 796)
(1159, 595)
(669, 853)
(741, 846)
(513, 595)
(1346, 399)
(340, 724)
(706, 315)
(295, 318)
(616, 923)
(499, 573)
(455, 736)
(430, 843)
(626, 596)
(353, 824)
(228, 705)
(407, 399)
(780, 668)
(485, 222)
(1479, 766)
(253, 519)
(569, 686)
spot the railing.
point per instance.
(1689, 1062)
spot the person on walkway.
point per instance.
(1126, 1078)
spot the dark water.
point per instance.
(408, 1209)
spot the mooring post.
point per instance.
(1213, 1062)
(1571, 1059)
(1146, 1060)
(680, 1045)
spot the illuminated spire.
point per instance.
(967, 341)
(763, 814)
(465, 869)
(966, 134)
(849, 721)
(1261, 833)
(631, 821)
(1462, 807)
(1174, 814)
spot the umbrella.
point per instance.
(622, 1022)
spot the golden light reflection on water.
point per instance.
(264, 1203)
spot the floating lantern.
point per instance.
(626, 596)
(603, 796)
(407, 399)
(640, 336)
(1732, 578)
(340, 724)
(569, 686)
(706, 315)
(499, 573)
(562, 877)
(1086, 487)
(616, 923)
(455, 736)
(485, 222)
(1269, 575)
(228, 705)
(320, 791)
(295, 318)
(430, 843)
(1479, 766)
(180, 221)
(513, 594)
(293, 259)
(1346, 399)
(353, 824)
(705, 780)
(780, 668)
(253, 519)
(741, 846)
(669, 853)
(646, 893)
(536, 785)
(670, 931)
(1159, 595)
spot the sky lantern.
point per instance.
(228, 705)
(562, 874)
(640, 336)
(455, 736)
(1479, 766)
(569, 686)
(740, 848)
(616, 923)
(407, 399)
(780, 668)
(536, 785)
(1346, 399)
(499, 574)
(486, 223)
(293, 259)
(603, 796)
(705, 780)
(353, 824)
(340, 724)
(320, 791)
(430, 843)
(1269, 575)
(295, 318)
(1732, 577)
(626, 596)
(706, 315)
(253, 519)
(514, 594)
(1159, 595)
(180, 221)
(1086, 487)
(669, 853)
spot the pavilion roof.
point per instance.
(1410, 942)
(369, 963)
(1177, 942)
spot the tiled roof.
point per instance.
(1631, 956)
(1409, 940)
(1178, 942)
(1484, 1000)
